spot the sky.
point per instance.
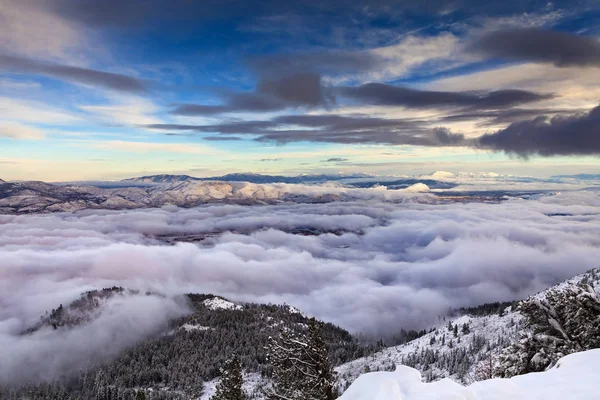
(111, 89)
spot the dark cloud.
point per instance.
(236, 127)
(303, 88)
(574, 135)
(506, 116)
(335, 159)
(398, 135)
(291, 91)
(107, 80)
(306, 90)
(383, 94)
(333, 129)
(346, 129)
(238, 102)
(138, 13)
(538, 45)
(321, 62)
(199, 109)
(222, 138)
(529, 132)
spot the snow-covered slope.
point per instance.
(462, 356)
(576, 376)
(440, 354)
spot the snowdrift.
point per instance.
(576, 376)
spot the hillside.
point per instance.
(182, 359)
(461, 348)
(174, 362)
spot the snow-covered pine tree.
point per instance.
(322, 386)
(301, 368)
(565, 321)
(230, 386)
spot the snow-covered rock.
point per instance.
(192, 327)
(576, 376)
(443, 175)
(217, 303)
(417, 188)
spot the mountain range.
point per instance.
(182, 191)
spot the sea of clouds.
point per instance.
(383, 266)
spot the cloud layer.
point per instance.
(369, 266)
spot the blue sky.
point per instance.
(112, 89)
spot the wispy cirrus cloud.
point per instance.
(13, 130)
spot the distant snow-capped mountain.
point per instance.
(164, 178)
(246, 177)
(32, 197)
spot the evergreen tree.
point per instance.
(564, 322)
(230, 386)
(465, 329)
(301, 368)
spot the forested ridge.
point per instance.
(176, 363)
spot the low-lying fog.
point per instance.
(382, 267)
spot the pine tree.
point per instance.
(301, 368)
(230, 386)
(564, 322)
(465, 329)
(322, 387)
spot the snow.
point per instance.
(217, 303)
(191, 327)
(293, 310)
(417, 188)
(576, 376)
(254, 385)
(498, 331)
(442, 175)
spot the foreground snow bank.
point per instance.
(576, 376)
